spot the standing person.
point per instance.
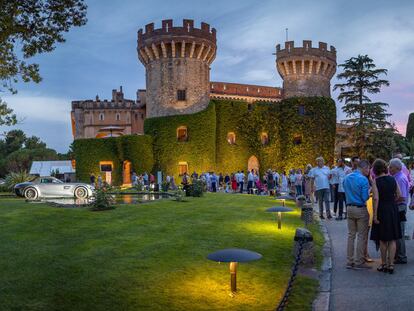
(92, 180)
(354, 163)
(134, 179)
(234, 183)
(356, 187)
(213, 178)
(100, 181)
(276, 178)
(404, 169)
(339, 173)
(308, 183)
(173, 185)
(241, 181)
(284, 182)
(250, 181)
(270, 182)
(320, 176)
(221, 181)
(386, 223)
(292, 179)
(395, 169)
(334, 182)
(227, 183)
(298, 182)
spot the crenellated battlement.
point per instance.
(171, 41)
(306, 50)
(168, 29)
(306, 70)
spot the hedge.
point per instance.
(135, 148)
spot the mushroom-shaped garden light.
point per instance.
(234, 256)
(279, 210)
(285, 197)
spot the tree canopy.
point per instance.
(28, 28)
(366, 117)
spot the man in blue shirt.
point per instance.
(356, 186)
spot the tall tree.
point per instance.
(363, 115)
(28, 28)
(410, 127)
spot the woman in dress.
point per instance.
(386, 223)
(233, 182)
(298, 182)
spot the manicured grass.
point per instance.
(147, 257)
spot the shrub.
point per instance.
(165, 186)
(179, 194)
(17, 177)
(103, 199)
(197, 188)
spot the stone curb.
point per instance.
(322, 301)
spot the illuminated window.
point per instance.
(297, 139)
(181, 95)
(101, 117)
(182, 133)
(264, 138)
(231, 138)
(105, 166)
(182, 168)
(118, 117)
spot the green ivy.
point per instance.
(134, 148)
(207, 148)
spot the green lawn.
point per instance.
(146, 257)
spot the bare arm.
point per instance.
(375, 199)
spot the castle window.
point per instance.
(297, 139)
(264, 138)
(105, 166)
(182, 134)
(101, 116)
(301, 110)
(231, 138)
(118, 117)
(136, 116)
(142, 116)
(182, 168)
(181, 95)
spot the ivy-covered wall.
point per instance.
(135, 148)
(199, 151)
(299, 130)
(312, 118)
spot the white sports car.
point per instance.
(52, 187)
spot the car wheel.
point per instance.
(30, 194)
(81, 193)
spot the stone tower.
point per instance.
(306, 71)
(177, 63)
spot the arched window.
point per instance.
(182, 134)
(118, 117)
(182, 168)
(231, 138)
(264, 138)
(101, 116)
(297, 139)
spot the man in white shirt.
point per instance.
(320, 175)
(250, 181)
(241, 181)
(338, 175)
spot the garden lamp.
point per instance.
(279, 210)
(234, 256)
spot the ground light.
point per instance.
(285, 197)
(279, 210)
(234, 256)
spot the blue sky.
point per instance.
(102, 55)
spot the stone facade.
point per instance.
(89, 117)
(177, 59)
(306, 71)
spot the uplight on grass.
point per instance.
(279, 210)
(234, 256)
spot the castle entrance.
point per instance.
(253, 164)
(126, 172)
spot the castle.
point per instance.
(186, 122)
